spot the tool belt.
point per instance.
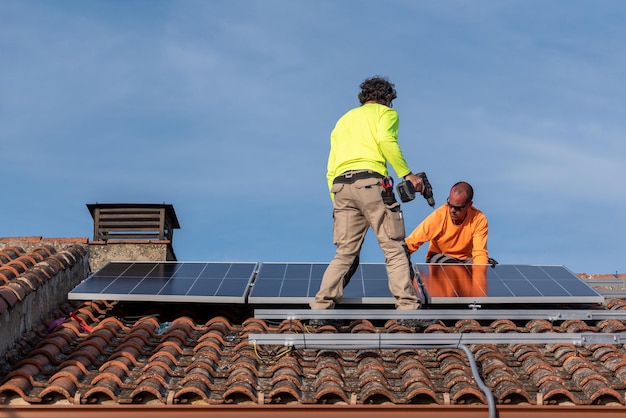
(350, 177)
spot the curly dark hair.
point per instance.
(378, 89)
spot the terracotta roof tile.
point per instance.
(193, 357)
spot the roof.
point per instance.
(182, 356)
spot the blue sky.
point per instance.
(224, 109)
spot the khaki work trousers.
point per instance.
(357, 207)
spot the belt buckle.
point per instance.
(348, 174)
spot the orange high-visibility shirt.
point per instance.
(468, 240)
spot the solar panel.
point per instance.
(504, 283)
(220, 282)
(299, 282)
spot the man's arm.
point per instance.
(479, 241)
(387, 138)
(424, 232)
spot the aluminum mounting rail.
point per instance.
(396, 340)
(440, 314)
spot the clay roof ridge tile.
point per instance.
(202, 368)
(287, 361)
(128, 352)
(174, 349)
(523, 351)
(371, 375)
(7, 275)
(63, 386)
(597, 390)
(163, 357)
(238, 389)
(21, 289)
(151, 386)
(51, 351)
(19, 384)
(324, 363)
(74, 373)
(290, 375)
(12, 252)
(510, 390)
(194, 387)
(322, 356)
(411, 376)
(254, 325)
(199, 374)
(285, 392)
(542, 376)
(238, 374)
(11, 271)
(9, 295)
(495, 377)
(36, 276)
(531, 364)
(375, 392)
(141, 337)
(94, 346)
(419, 389)
(19, 265)
(614, 362)
(105, 388)
(160, 368)
(87, 356)
(465, 392)
(612, 325)
(552, 390)
(488, 351)
(457, 376)
(27, 371)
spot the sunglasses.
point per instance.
(458, 208)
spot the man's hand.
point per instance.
(416, 181)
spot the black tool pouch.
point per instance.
(388, 196)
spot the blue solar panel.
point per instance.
(504, 283)
(299, 282)
(219, 282)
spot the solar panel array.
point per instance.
(297, 283)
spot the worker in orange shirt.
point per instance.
(457, 231)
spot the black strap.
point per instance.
(350, 177)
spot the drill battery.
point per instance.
(407, 191)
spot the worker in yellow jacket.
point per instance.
(363, 141)
(457, 231)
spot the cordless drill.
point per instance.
(407, 191)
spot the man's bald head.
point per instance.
(464, 189)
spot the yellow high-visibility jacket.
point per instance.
(366, 138)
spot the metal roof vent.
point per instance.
(133, 221)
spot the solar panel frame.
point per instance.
(168, 281)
